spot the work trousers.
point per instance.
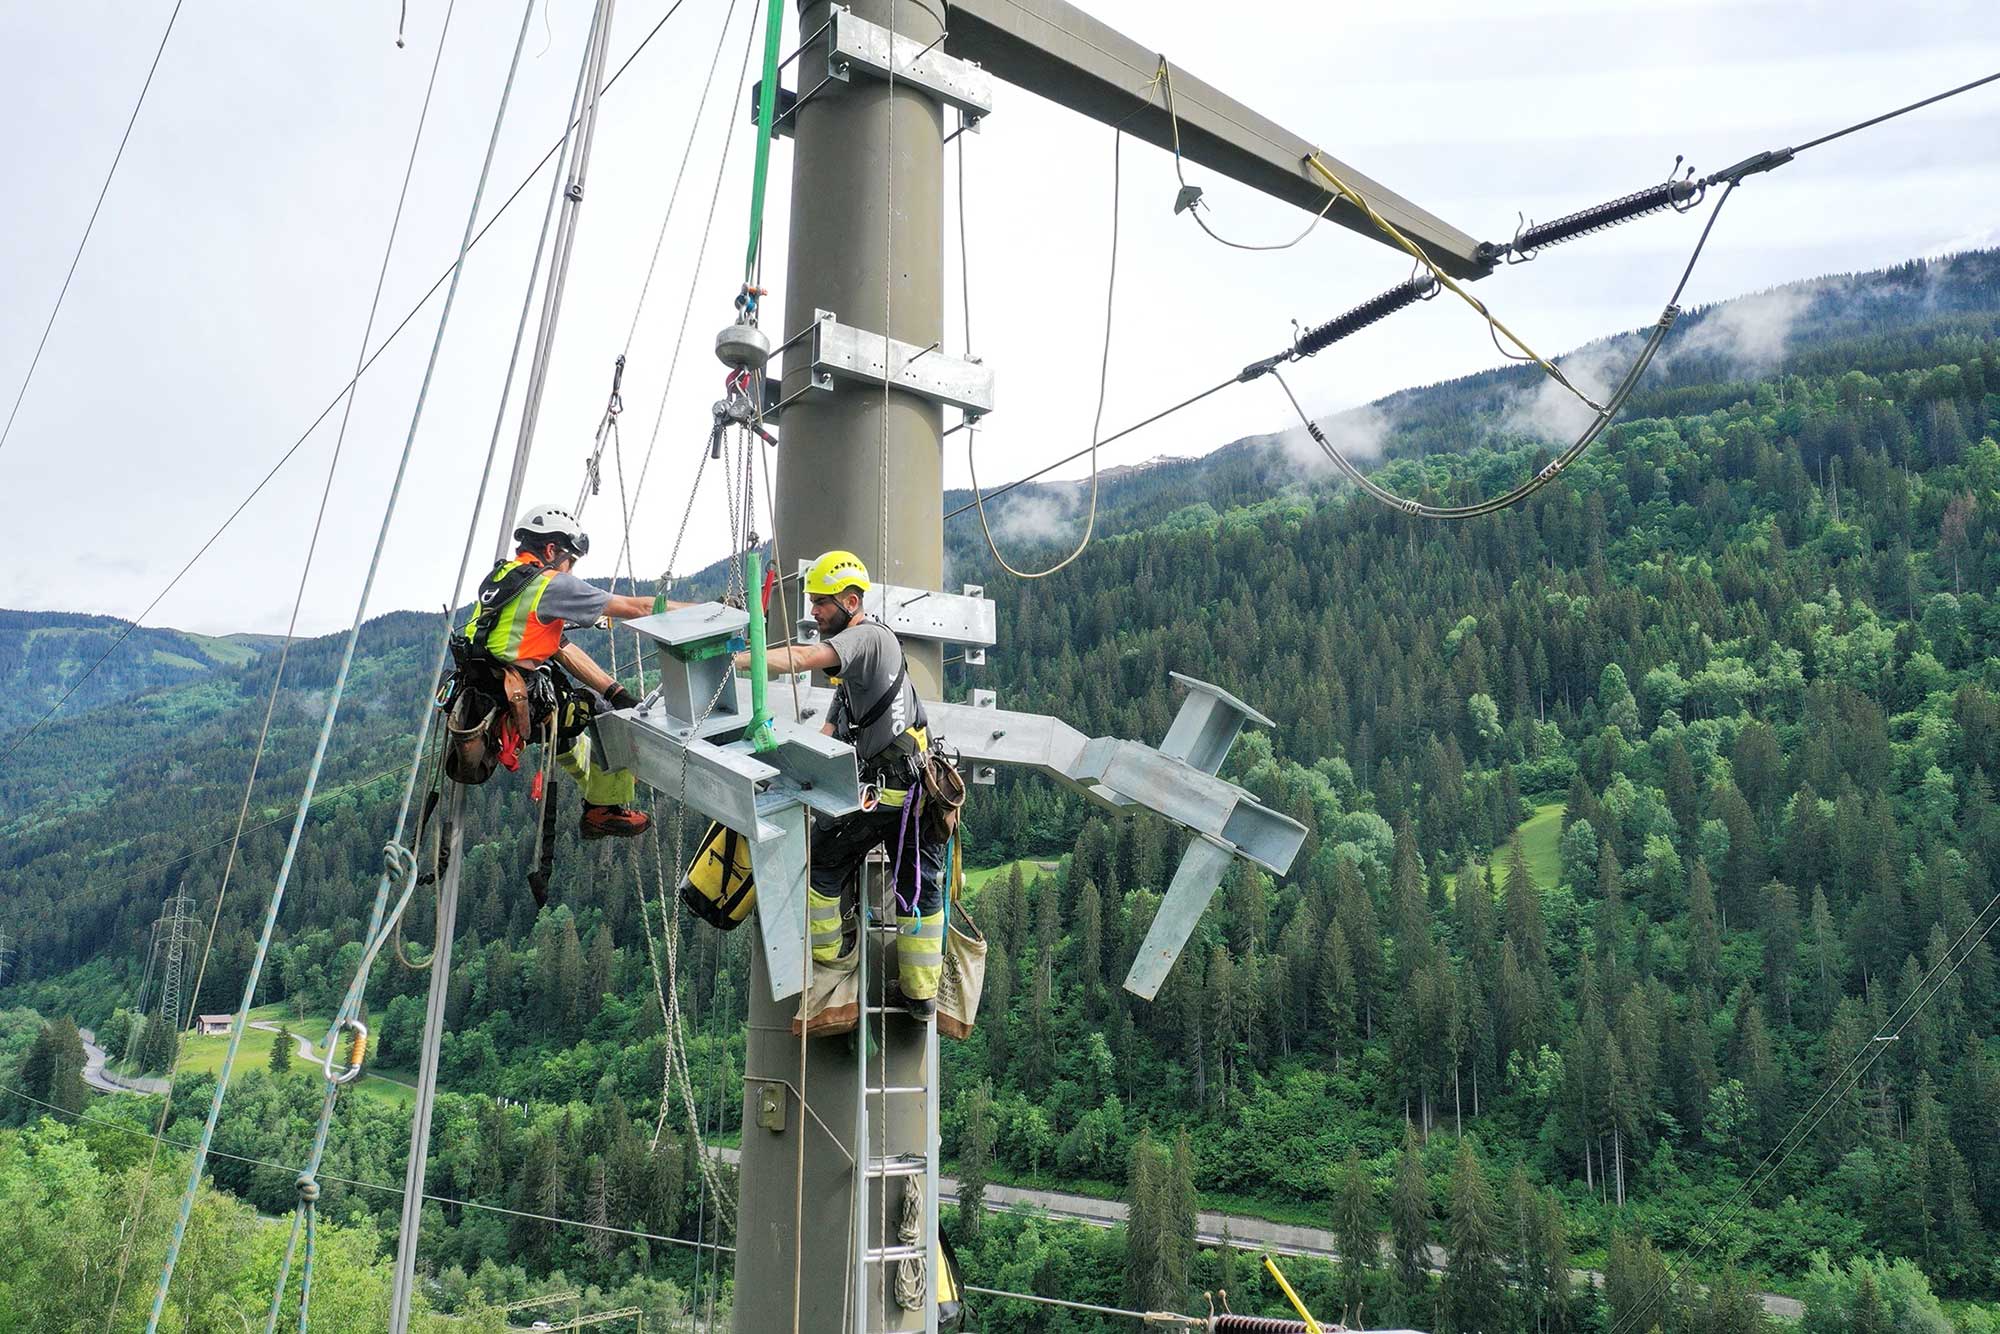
(600, 786)
(918, 866)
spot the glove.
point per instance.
(618, 697)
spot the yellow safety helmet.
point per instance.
(835, 573)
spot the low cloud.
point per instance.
(1752, 333)
(1548, 411)
(1360, 434)
(1041, 515)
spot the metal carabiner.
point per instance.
(357, 1052)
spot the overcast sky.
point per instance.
(220, 301)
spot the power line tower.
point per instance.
(863, 391)
(6, 953)
(176, 936)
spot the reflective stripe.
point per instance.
(515, 633)
(920, 943)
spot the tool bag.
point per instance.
(944, 794)
(964, 975)
(718, 886)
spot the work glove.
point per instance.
(618, 697)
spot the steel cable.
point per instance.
(337, 691)
(324, 413)
(84, 240)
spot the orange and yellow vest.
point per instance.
(504, 624)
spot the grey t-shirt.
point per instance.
(870, 659)
(572, 601)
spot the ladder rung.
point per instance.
(895, 1088)
(876, 1255)
(899, 1165)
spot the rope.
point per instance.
(291, 630)
(1097, 423)
(324, 413)
(912, 1273)
(565, 245)
(687, 312)
(607, 426)
(84, 240)
(339, 689)
(350, 1005)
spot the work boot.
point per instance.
(920, 1008)
(613, 822)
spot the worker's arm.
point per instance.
(622, 608)
(581, 666)
(795, 658)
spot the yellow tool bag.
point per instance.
(717, 885)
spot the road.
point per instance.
(110, 1081)
(1239, 1230)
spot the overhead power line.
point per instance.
(84, 240)
(1676, 194)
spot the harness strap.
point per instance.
(880, 706)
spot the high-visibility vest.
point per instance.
(504, 624)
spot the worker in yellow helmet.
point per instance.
(877, 711)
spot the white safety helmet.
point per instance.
(551, 523)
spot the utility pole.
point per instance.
(6, 953)
(860, 468)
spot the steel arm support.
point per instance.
(1058, 51)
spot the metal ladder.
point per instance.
(881, 1172)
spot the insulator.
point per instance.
(1604, 215)
(1365, 314)
(1254, 1324)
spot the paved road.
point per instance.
(1239, 1230)
(110, 1081)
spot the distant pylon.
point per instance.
(176, 935)
(6, 953)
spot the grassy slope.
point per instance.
(975, 879)
(1541, 839)
(204, 1055)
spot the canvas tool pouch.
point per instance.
(944, 795)
(964, 975)
(832, 1000)
(470, 754)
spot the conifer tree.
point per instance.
(1473, 1292)
(1354, 1229)
(975, 1156)
(281, 1051)
(1410, 1232)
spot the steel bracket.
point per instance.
(841, 351)
(763, 795)
(1124, 776)
(920, 613)
(856, 44)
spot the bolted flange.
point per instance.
(743, 347)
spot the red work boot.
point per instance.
(613, 822)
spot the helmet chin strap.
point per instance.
(846, 616)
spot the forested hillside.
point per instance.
(1634, 815)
